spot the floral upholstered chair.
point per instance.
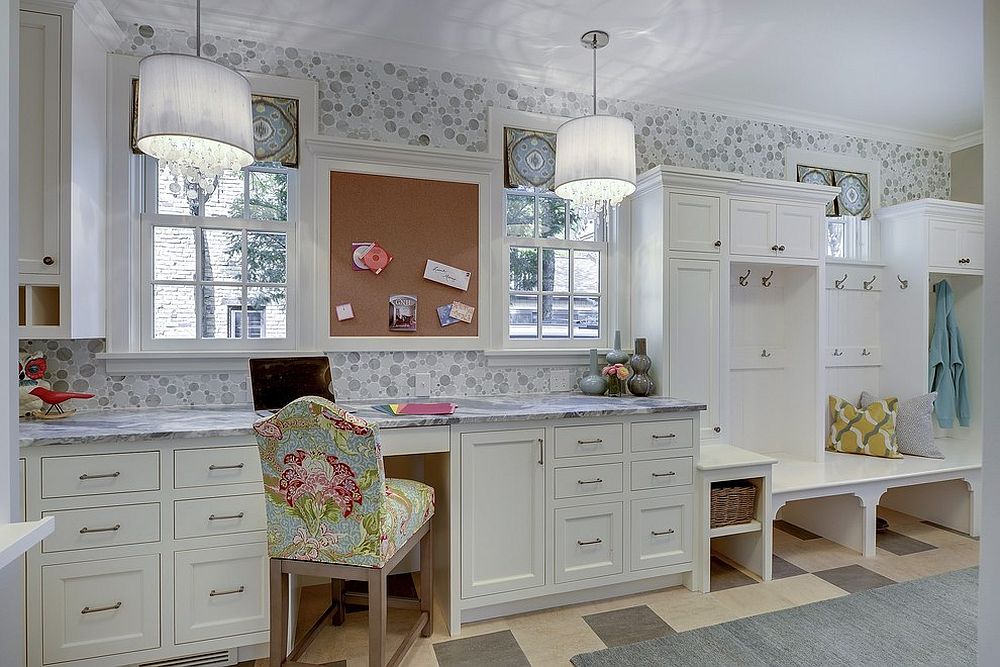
(331, 511)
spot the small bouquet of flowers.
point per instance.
(616, 374)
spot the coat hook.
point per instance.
(765, 354)
(838, 353)
(744, 279)
(766, 280)
(865, 352)
(869, 284)
(903, 284)
(839, 284)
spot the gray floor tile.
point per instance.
(628, 626)
(900, 544)
(726, 576)
(950, 530)
(795, 531)
(496, 649)
(854, 578)
(781, 568)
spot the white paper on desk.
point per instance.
(447, 275)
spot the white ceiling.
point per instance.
(893, 68)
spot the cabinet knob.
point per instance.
(48, 261)
(718, 244)
(717, 429)
(774, 248)
(781, 248)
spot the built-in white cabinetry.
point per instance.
(503, 511)
(853, 312)
(695, 223)
(955, 245)
(768, 229)
(61, 173)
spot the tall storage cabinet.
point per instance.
(62, 173)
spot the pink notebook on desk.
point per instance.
(426, 409)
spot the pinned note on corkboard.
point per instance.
(414, 220)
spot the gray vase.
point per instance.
(640, 384)
(617, 355)
(593, 384)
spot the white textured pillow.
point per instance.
(914, 429)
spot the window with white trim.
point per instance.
(215, 265)
(556, 268)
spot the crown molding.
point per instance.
(96, 16)
(967, 141)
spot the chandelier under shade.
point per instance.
(195, 118)
(595, 160)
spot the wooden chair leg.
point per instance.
(376, 617)
(337, 596)
(427, 582)
(279, 614)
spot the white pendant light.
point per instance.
(595, 155)
(194, 117)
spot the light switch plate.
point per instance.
(561, 379)
(422, 384)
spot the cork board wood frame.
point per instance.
(414, 219)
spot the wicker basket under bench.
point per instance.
(733, 503)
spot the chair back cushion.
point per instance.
(324, 484)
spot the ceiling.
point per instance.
(901, 69)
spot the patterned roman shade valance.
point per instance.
(529, 159)
(855, 194)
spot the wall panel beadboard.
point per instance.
(398, 103)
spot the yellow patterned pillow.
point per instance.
(870, 431)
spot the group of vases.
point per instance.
(639, 383)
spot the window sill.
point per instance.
(182, 361)
(537, 357)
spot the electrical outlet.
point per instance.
(422, 384)
(561, 379)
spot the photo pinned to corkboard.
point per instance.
(422, 225)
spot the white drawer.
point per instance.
(578, 481)
(661, 473)
(215, 466)
(662, 435)
(661, 531)
(100, 608)
(588, 541)
(588, 440)
(100, 473)
(418, 440)
(219, 516)
(96, 527)
(220, 592)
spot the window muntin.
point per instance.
(556, 266)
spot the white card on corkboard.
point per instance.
(447, 275)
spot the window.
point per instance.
(218, 262)
(556, 271)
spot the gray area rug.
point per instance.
(928, 621)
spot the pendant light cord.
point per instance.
(197, 31)
(594, 49)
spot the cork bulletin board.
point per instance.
(414, 220)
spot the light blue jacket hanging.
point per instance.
(947, 362)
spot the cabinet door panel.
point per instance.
(694, 336)
(751, 228)
(943, 245)
(39, 149)
(661, 531)
(798, 231)
(971, 240)
(503, 511)
(694, 222)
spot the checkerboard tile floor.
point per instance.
(807, 568)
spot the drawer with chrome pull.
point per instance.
(216, 466)
(588, 440)
(99, 608)
(99, 473)
(95, 527)
(659, 473)
(577, 481)
(662, 435)
(588, 541)
(219, 516)
(661, 531)
(220, 592)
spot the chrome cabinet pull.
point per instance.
(774, 248)
(212, 517)
(214, 593)
(718, 244)
(664, 474)
(48, 260)
(238, 466)
(781, 248)
(717, 429)
(663, 437)
(541, 452)
(595, 441)
(584, 543)
(658, 533)
(85, 476)
(590, 481)
(94, 610)
(109, 529)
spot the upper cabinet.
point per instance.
(955, 245)
(695, 223)
(945, 236)
(62, 167)
(768, 229)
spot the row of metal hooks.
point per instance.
(744, 280)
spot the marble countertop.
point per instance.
(106, 426)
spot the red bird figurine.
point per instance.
(54, 401)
